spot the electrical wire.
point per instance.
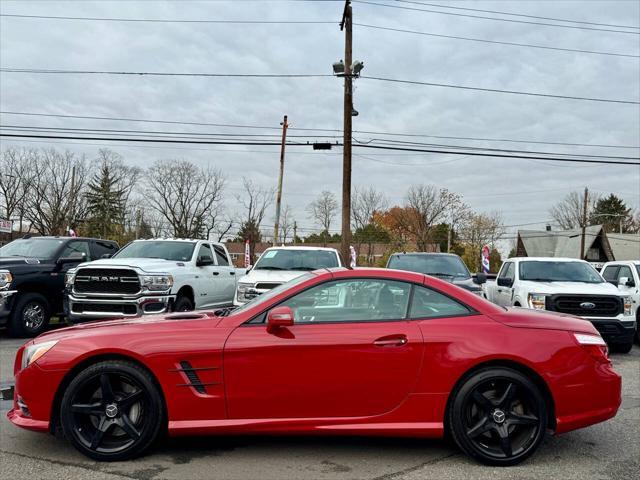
(162, 20)
(480, 17)
(496, 42)
(162, 74)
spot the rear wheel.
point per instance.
(183, 304)
(498, 416)
(112, 411)
(30, 316)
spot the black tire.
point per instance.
(622, 347)
(112, 411)
(30, 315)
(498, 416)
(183, 304)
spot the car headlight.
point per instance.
(537, 301)
(33, 352)
(628, 306)
(5, 279)
(243, 290)
(69, 278)
(156, 282)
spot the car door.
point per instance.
(350, 353)
(227, 277)
(630, 286)
(206, 278)
(610, 274)
(504, 292)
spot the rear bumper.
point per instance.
(6, 297)
(83, 309)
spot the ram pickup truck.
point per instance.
(278, 265)
(150, 277)
(569, 286)
(626, 276)
(32, 272)
(445, 266)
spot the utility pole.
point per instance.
(346, 25)
(295, 231)
(584, 222)
(449, 238)
(73, 199)
(285, 126)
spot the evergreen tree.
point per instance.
(612, 213)
(105, 204)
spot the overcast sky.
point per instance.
(523, 190)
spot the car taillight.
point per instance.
(594, 345)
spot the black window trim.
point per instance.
(472, 311)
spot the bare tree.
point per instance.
(426, 207)
(323, 209)
(184, 195)
(16, 170)
(569, 212)
(286, 223)
(365, 204)
(479, 230)
(255, 202)
(55, 201)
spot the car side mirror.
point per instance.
(75, 257)
(204, 260)
(480, 278)
(626, 282)
(278, 318)
(505, 282)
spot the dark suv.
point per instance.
(446, 266)
(32, 278)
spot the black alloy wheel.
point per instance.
(498, 416)
(183, 304)
(112, 410)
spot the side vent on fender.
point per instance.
(194, 379)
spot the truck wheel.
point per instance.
(30, 316)
(183, 304)
(622, 347)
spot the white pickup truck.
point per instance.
(152, 276)
(569, 286)
(278, 265)
(626, 276)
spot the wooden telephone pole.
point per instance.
(346, 25)
(285, 126)
(584, 222)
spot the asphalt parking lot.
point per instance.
(604, 451)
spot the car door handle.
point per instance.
(391, 341)
(216, 273)
(232, 273)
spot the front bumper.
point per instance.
(86, 308)
(5, 304)
(616, 330)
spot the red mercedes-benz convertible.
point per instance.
(334, 352)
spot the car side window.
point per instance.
(221, 256)
(351, 300)
(205, 251)
(101, 248)
(427, 303)
(507, 271)
(624, 271)
(76, 247)
(610, 273)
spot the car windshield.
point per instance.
(167, 250)
(286, 259)
(550, 271)
(272, 293)
(437, 265)
(40, 248)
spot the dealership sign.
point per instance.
(6, 226)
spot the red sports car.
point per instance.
(335, 352)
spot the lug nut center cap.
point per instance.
(112, 410)
(499, 416)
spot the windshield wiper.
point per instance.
(542, 280)
(436, 274)
(270, 268)
(305, 268)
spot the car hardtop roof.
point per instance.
(296, 247)
(62, 237)
(186, 240)
(623, 262)
(546, 259)
(435, 254)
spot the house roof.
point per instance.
(625, 246)
(566, 243)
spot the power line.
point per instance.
(380, 147)
(268, 127)
(496, 90)
(162, 74)
(496, 42)
(517, 14)
(480, 17)
(162, 20)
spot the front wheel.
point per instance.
(30, 316)
(112, 411)
(498, 417)
(622, 347)
(183, 304)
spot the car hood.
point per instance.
(527, 318)
(146, 264)
(6, 262)
(268, 276)
(100, 327)
(578, 288)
